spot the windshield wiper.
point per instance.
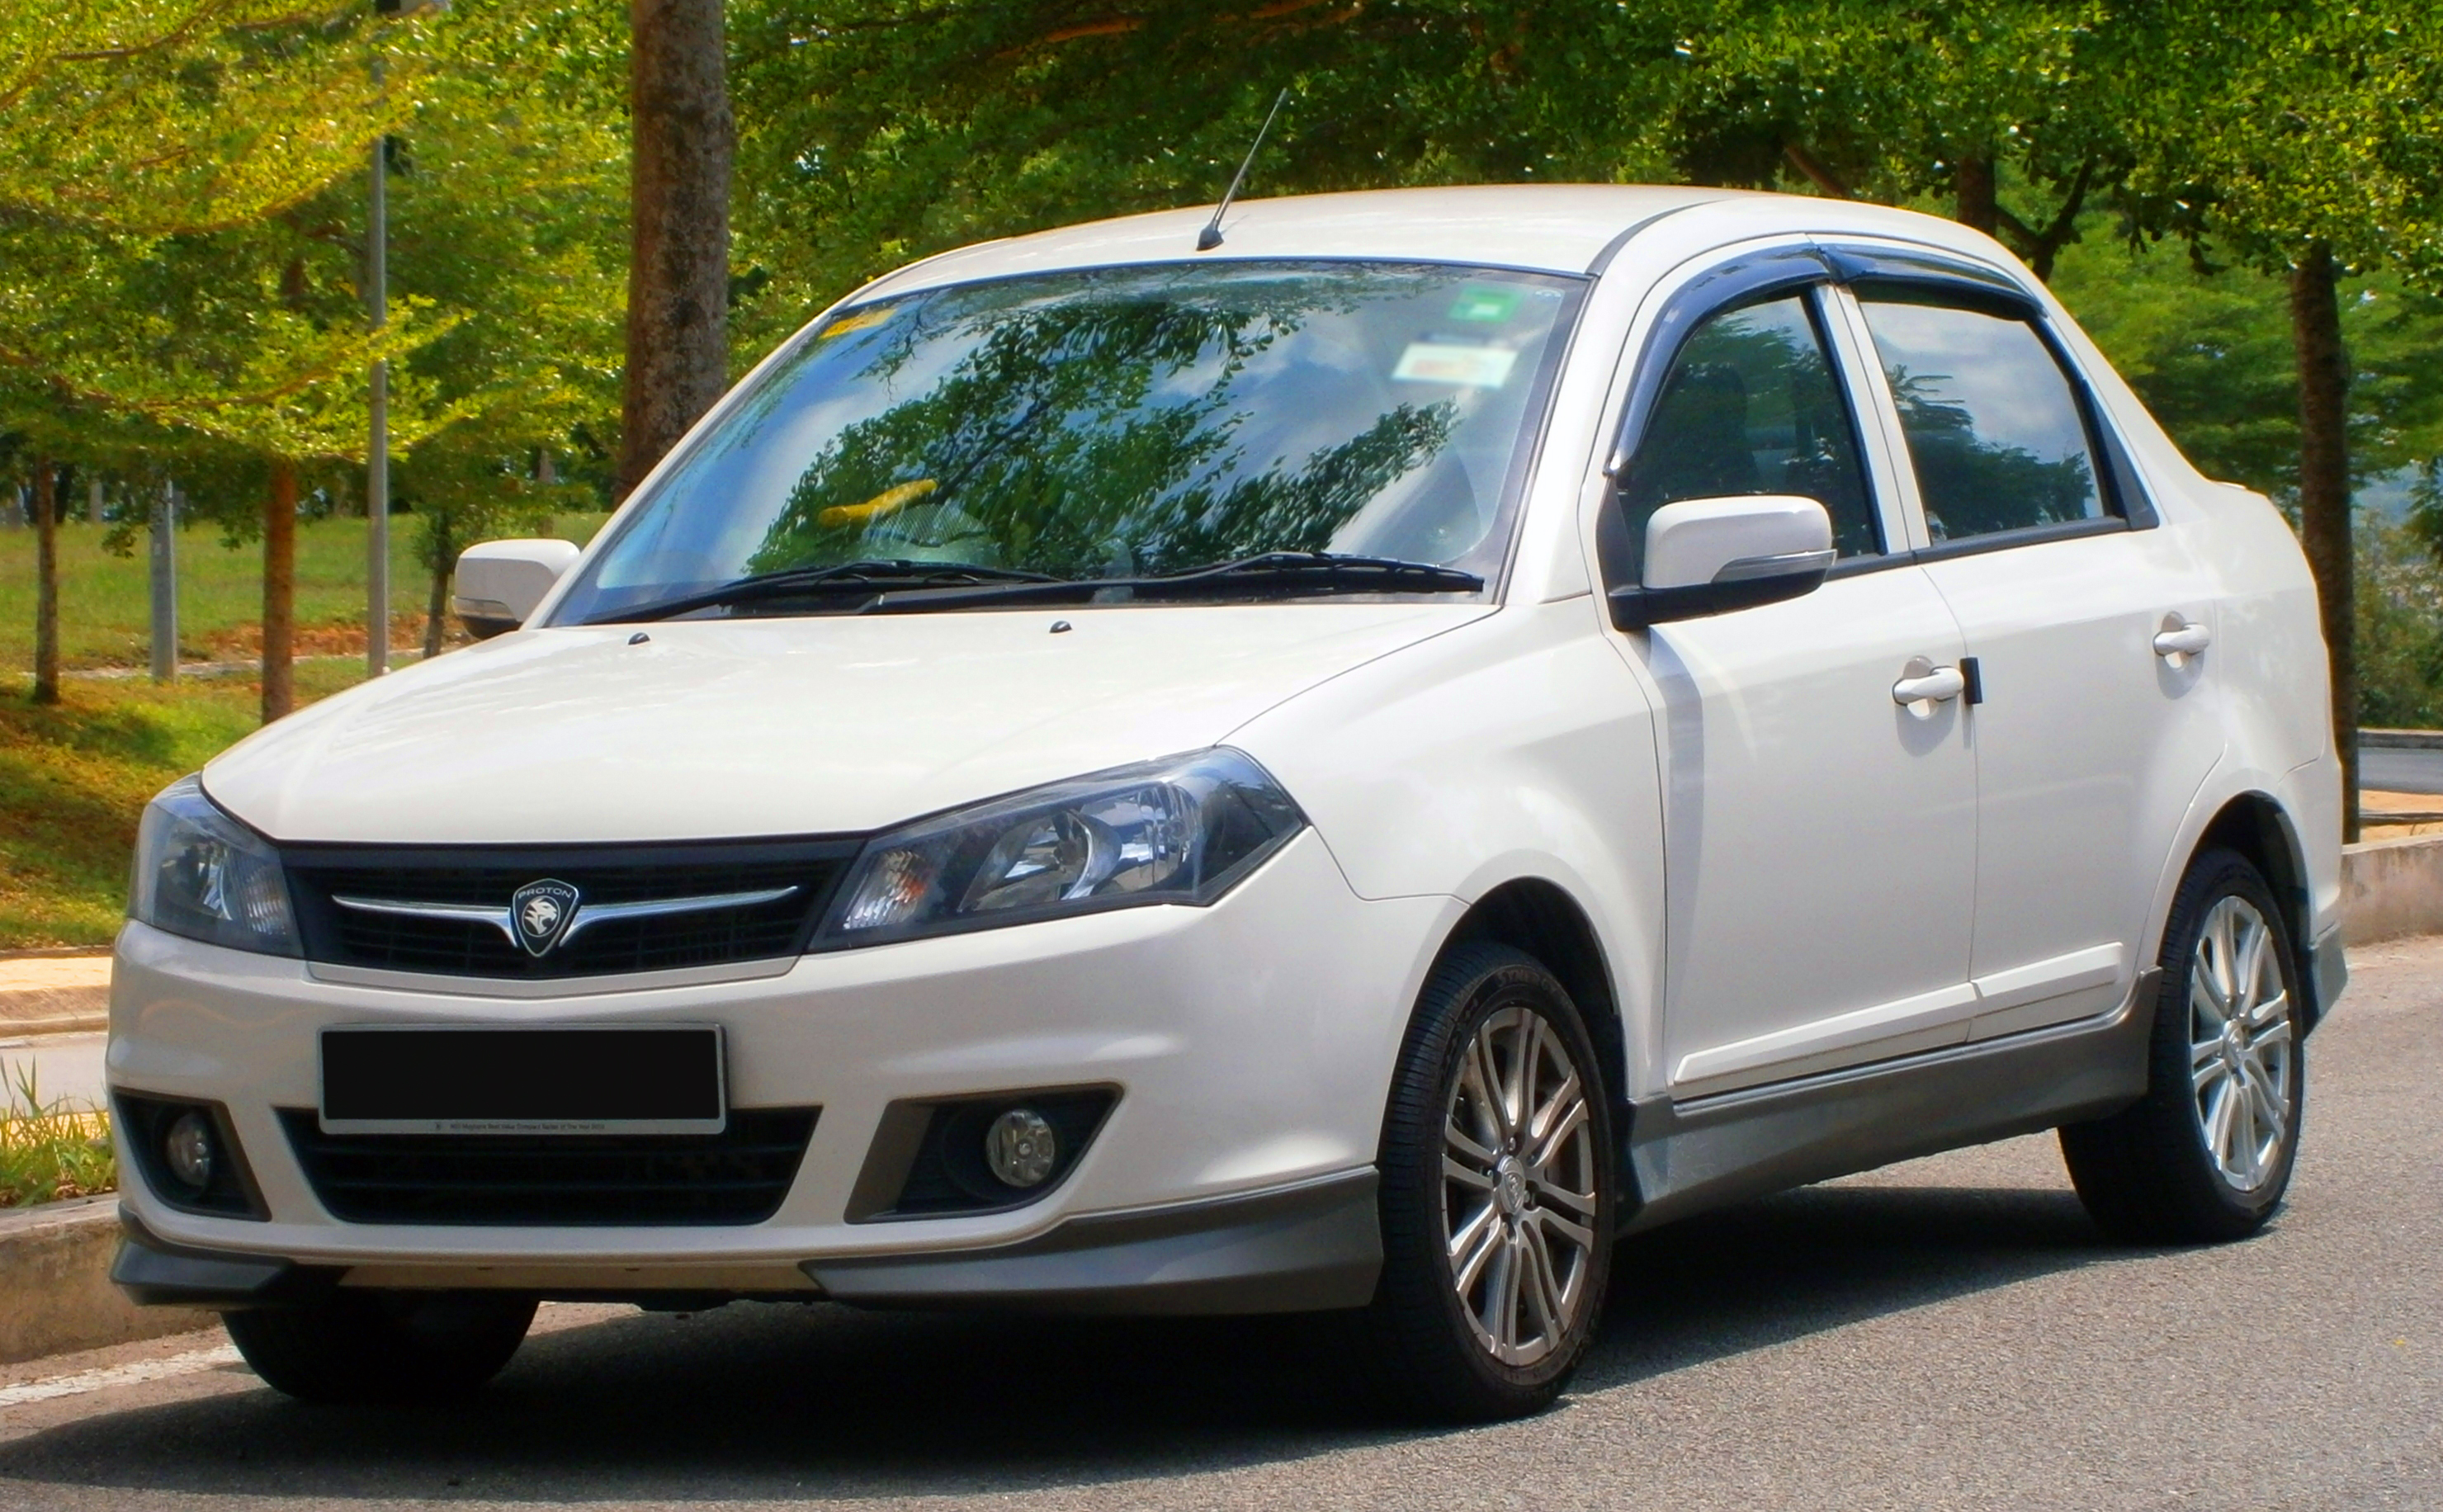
(843, 578)
(1271, 574)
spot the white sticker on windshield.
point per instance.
(1475, 367)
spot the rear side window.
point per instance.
(1995, 429)
(1752, 406)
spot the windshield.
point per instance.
(1114, 423)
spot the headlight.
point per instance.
(201, 873)
(1176, 831)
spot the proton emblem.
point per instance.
(542, 911)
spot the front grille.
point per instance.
(487, 877)
(737, 1176)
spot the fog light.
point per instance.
(1021, 1147)
(187, 1150)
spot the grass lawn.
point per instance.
(105, 602)
(75, 776)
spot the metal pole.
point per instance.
(165, 585)
(377, 444)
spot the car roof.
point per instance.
(1554, 228)
(1551, 227)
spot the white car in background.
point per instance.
(1341, 771)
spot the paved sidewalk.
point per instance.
(53, 994)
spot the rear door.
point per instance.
(2092, 735)
(1820, 838)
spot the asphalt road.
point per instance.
(64, 1068)
(1949, 1333)
(2390, 770)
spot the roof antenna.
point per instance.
(1210, 236)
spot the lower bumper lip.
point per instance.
(1304, 1246)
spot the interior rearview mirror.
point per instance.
(500, 583)
(1711, 556)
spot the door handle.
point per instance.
(2181, 638)
(1922, 685)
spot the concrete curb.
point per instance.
(2392, 888)
(54, 992)
(55, 1290)
(2401, 739)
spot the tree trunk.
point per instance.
(1973, 179)
(280, 592)
(2324, 495)
(444, 561)
(46, 582)
(678, 273)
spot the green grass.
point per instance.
(75, 776)
(105, 602)
(54, 1150)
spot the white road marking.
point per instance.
(129, 1375)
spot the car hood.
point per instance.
(718, 728)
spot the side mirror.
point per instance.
(1711, 556)
(501, 582)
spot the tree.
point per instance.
(874, 132)
(526, 106)
(125, 125)
(2305, 141)
(46, 582)
(1908, 102)
(678, 279)
(234, 343)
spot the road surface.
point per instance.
(2387, 770)
(1949, 1333)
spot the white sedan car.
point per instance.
(1338, 771)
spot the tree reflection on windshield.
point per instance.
(1076, 438)
(1117, 422)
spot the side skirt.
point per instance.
(1685, 1156)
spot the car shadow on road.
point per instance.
(818, 1402)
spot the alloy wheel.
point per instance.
(2240, 1061)
(1519, 1179)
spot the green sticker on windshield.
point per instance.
(1489, 304)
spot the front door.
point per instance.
(1820, 836)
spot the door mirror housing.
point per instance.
(500, 583)
(1711, 556)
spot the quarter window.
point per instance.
(1752, 406)
(1993, 427)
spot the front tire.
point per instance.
(1497, 1201)
(2205, 1156)
(382, 1347)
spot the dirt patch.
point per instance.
(334, 637)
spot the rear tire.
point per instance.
(386, 1347)
(1497, 1201)
(2205, 1156)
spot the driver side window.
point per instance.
(1752, 405)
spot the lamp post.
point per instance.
(377, 399)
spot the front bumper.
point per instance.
(1251, 1043)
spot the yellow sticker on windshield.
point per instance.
(889, 501)
(1475, 367)
(864, 319)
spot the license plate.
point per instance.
(513, 1080)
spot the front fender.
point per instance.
(1517, 746)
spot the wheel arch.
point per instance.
(2255, 824)
(1539, 916)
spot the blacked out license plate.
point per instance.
(590, 1078)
